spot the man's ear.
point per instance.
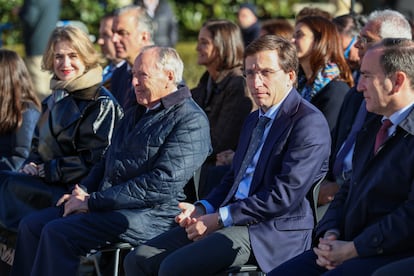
(171, 78)
(292, 76)
(398, 81)
(170, 75)
(145, 36)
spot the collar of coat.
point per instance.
(176, 97)
(408, 123)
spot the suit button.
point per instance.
(380, 251)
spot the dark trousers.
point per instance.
(172, 253)
(404, 267)
(48, 244)
(305, 264)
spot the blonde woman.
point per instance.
(72, 134)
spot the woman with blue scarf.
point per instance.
(324, 76)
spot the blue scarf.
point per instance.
(324, 76)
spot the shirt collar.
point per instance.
(397, 117)
(272, 112)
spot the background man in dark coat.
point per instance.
(248, 22)
(132, 30)
(134, 192)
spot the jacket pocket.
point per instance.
(293, 223)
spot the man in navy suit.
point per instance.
(381, 24)
(370, 222)
(132, 31)
(259, 213)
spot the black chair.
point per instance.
(116, 248)
(318, 212)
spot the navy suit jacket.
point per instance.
(343, 126)
(294, 156)
(375, 209)
(121, 86)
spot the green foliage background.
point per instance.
(190, 15)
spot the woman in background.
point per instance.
(324, 76)
(222, 94)
(19, 112)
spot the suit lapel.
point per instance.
(282, 122)
(364, 146)
(244, 141)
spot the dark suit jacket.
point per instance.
(329, 100)
(294, 156)
(121, 87)
(343, 126)
(375, 209)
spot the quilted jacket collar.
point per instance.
(176, 97)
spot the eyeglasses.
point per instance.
(363, 40)
(263, 73)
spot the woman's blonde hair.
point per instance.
(79, 41)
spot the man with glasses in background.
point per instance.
(353, 114)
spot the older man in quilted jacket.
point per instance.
(132, 195)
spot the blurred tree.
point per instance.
(9, 21)
(191, 14)
(89, 12)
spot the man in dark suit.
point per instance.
(259, 212)
(132, 30)
(108, 49)
(371, 220)
(380, 24)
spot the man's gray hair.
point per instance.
(392, 24)
(143, 21)
(168, 59)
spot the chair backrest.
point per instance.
(318, 211)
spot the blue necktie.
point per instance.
(350, 140)
(255, 140)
